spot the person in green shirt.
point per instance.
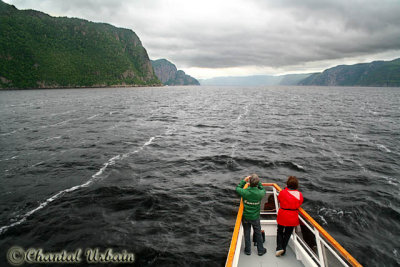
(252, 197)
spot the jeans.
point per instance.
(282, 236)
(257, 231)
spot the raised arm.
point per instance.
(239, 188)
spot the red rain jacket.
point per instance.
(290, 201)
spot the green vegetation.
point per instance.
(377, 73)
(39, 51)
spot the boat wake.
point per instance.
(94, 116)
(244, 113)
(95, 177)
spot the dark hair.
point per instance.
(254, 180)
(292, 182)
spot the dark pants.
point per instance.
(282, 236)
(257, 232)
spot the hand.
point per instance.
(247, 179)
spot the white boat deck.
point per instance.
(269, 258)
(309, 246)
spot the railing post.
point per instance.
(319, 248)
(276, 200)
(294, 236)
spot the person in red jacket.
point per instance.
(290, 200)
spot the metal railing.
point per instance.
(323, 249)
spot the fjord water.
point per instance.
(154, 170)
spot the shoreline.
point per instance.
(83, 87)
(162, 85)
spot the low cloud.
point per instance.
(241, 33)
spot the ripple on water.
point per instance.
(153, 170)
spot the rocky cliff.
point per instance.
(170, 75)
(40, 51)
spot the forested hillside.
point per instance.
(40, 51)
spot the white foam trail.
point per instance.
(14, 157)
(55, 137)
(57, 124)
(384, 148)
(148, 142)
(246, 111)
(37, 164)
(60, 123)
(57, 195)
(128, 143)
(94, 178)
(124, 156)
(324, 222)
(8, 133)
(43, 126)
(94, 116)
(46, 139)
(380, 146)
(62, 113)
(233, 149)
(390, 180)
(359, 138)
(298, 166)
(338, 155)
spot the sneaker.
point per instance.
(279, 252)
(247, 253)
(263, 252)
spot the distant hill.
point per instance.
(170, 75)
(255, 80)
(377, 73)
(293, 79)
(40, 51)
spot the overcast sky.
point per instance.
(209, 38)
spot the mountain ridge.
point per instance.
(41, 51)
(376, 73)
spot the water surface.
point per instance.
(153, 170)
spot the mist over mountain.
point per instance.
(377, 73)
(40, 51)
(255, 80)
